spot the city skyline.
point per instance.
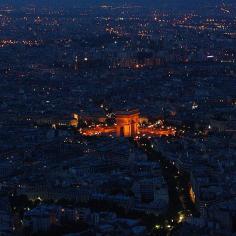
(117, 118)
(157, 3)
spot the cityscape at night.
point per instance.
(118, 118)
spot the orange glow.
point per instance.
(112, 130)
(127, 125)
(152, 131)
(98, 131)
(192, 195)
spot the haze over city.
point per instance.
(147, 3)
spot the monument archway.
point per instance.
(127, 123)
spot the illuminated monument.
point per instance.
(127, 123)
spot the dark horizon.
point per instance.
(85, 3)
